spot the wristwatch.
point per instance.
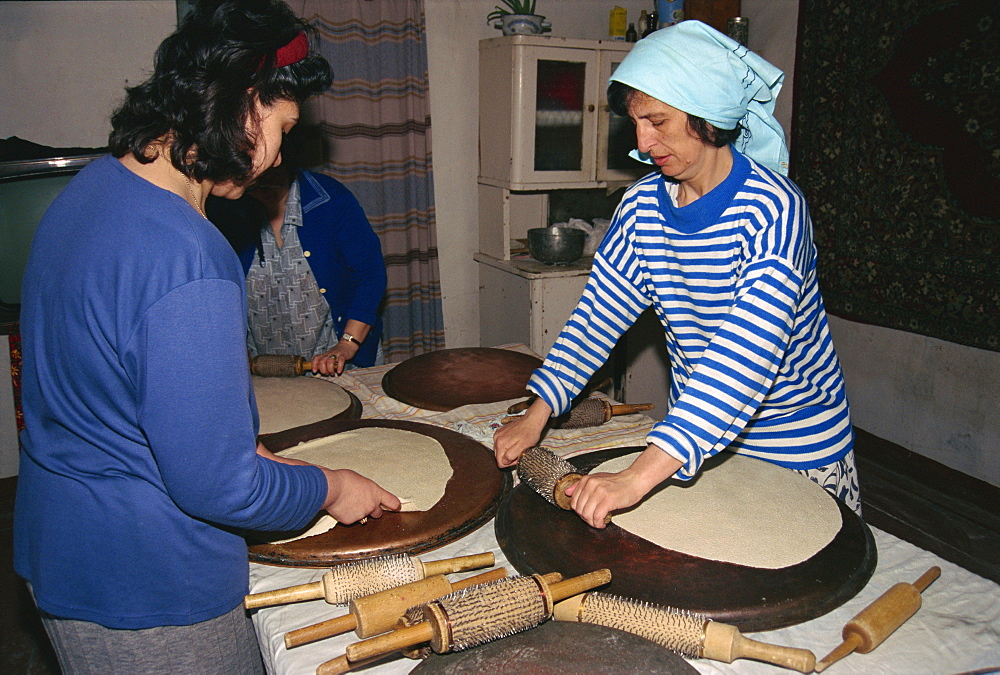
(347, 337)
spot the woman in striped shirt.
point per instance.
(719, 243)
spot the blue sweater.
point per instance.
(138, 468)
(344, 254)
(732, 278)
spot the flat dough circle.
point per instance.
(288, 402)
(412, 466)
(744, 511)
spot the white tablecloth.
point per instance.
(956, 630)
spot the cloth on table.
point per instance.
(479, 421)
(957, 628)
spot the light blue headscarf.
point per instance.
(700, 71)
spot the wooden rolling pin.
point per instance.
(378, 613)
(879, 620)
(279, 365)
(477, 615)
(352, 580)
(592, 412)
(549, 476)
(682, 632)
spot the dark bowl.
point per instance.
(556, 245)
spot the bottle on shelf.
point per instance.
(642, 25)
(631, 35)
(652, 24)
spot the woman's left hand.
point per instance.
(332, 362)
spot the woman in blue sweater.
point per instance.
(139, 467)
(719, 243)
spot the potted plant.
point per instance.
(518, 18)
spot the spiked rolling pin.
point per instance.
(354, 579)
(477, 615)
(341, 664)
(592, 412)
(683, 632)
(279, 365)
(879, 620)
(549, 476)
(379, 612)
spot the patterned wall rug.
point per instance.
(896, 144)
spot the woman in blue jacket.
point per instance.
(314, 269)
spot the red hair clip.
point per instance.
(293, 52)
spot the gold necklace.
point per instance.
(197, 204)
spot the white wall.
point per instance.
(65, 65)
(933, 397)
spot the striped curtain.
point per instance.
(375, 121)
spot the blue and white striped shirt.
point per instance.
(732, 278)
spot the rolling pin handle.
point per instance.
(845, 648)
(459, 564)
(562, 499)
(725, 643)
(334, 666)
(927, 578)
(310, 591)
(318, 631)
(387, 643)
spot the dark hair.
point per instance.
(620, 95)
(206, 80)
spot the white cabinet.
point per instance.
(544, 122)
(526, 302)
(544, 125)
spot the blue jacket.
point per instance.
(344, 254)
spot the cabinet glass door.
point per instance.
(554, 126)
(616, 134)
(559, 98)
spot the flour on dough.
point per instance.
(412, 466)
(287, 402)
(743, 510)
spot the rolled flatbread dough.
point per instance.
(743, 510)
(288, 402)
(412, 466)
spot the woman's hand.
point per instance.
(351, 497)
(511, 440)
(598, 494)
(332, 362)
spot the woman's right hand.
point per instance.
(351, 497)
(511, 440)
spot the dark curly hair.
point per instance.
(620, 95)
(206, 80)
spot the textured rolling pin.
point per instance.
(475, 616)
(351, 580)
(549, 476)
(879, 620)
(682, 632)
(279, 365)
(591, 412)
(379, 612)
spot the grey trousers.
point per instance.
(222, 646)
